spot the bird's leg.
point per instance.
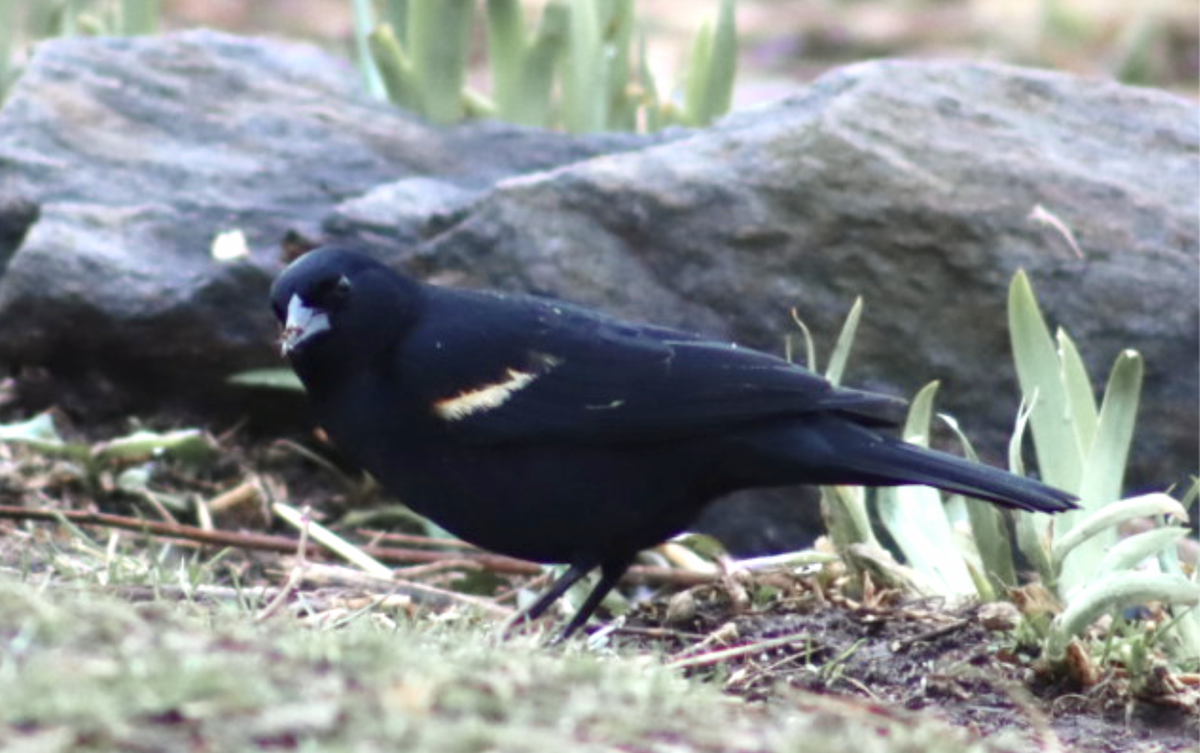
(572, 576)
(610, 574)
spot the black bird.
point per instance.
(554, 433)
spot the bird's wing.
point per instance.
(543, 370)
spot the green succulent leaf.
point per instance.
(841, 349)
(844, 509)
(1084, 414)
(1104, 467)
(506, 54)
(584, 74)
(1116, 591)
(1033, 531)
(1186, 626)
(189, 445)
(1108, 455)
(399, 79)
(41, 435)
(988, 530)
(712, 68)
(275, 379)
(1107, 518)
(541, 61)
(618, 44)
(916, 518)
(438, 40)
(1130, 551)
(368, 56)
(1060, 456)
(139, 17)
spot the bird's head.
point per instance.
(340, 304)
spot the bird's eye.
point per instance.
(331, 290)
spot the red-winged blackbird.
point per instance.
(554, 433)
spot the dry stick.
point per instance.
(201, 592)
(294, 577)
(258, 541)
(411, 538)
(658, 633)
(937, 632)
(436, 568)
(714, 657)
(266, 542)
(321, 574)
(353, 554)
(242, 494)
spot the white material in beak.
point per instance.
(302, 323)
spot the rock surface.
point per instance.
(911, 184)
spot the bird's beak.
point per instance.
(302, 323)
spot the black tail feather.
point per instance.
(839, 452)
(906, 463)
(891, 462)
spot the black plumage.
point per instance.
(554, 433)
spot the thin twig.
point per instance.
(658, 633)
(436, 568)
(256, 541)
(412, 538)
(330, 540)
(325, 574)
(200, 592)
(713, 657)
(297, 570)
(1044, 216)
(936, 632)
(497, 563)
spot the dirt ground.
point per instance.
(921, 657)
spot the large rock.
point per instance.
(911, 184)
